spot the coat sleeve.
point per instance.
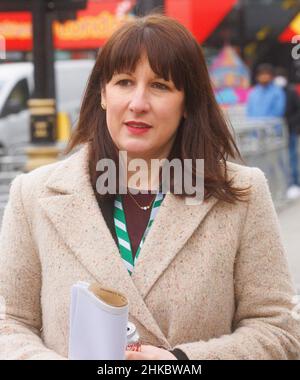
(279, 103)
(20, 284)
(250, 103)
(266, 322)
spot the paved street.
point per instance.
(289, 218)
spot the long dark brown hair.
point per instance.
(173, 53)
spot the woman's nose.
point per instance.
(139, 101)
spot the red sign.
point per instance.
(93, 25)
(15, 28)
(91, 29)
(199, 16)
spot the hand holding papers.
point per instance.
(98, 323)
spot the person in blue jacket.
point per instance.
(266, 98)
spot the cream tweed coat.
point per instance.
(211, 279)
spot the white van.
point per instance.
(16, 87)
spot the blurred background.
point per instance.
(252, 48)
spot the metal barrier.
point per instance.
(10, 166)
(11, 163)
(263, 143)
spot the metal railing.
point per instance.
(263, 143)
(11, 164)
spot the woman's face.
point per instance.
(143, 112)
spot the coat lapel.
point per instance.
(71, 206)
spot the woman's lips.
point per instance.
(137, 129)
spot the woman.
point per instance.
(206, 280)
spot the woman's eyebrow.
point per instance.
(161, 78)
(123, 73)
(155, 77)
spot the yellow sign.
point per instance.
(96, 27)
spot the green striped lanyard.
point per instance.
(122, 232)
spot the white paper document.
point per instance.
(98, 323)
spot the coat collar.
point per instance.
(72, 208)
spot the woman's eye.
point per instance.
(124, 82)
(160, 86)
